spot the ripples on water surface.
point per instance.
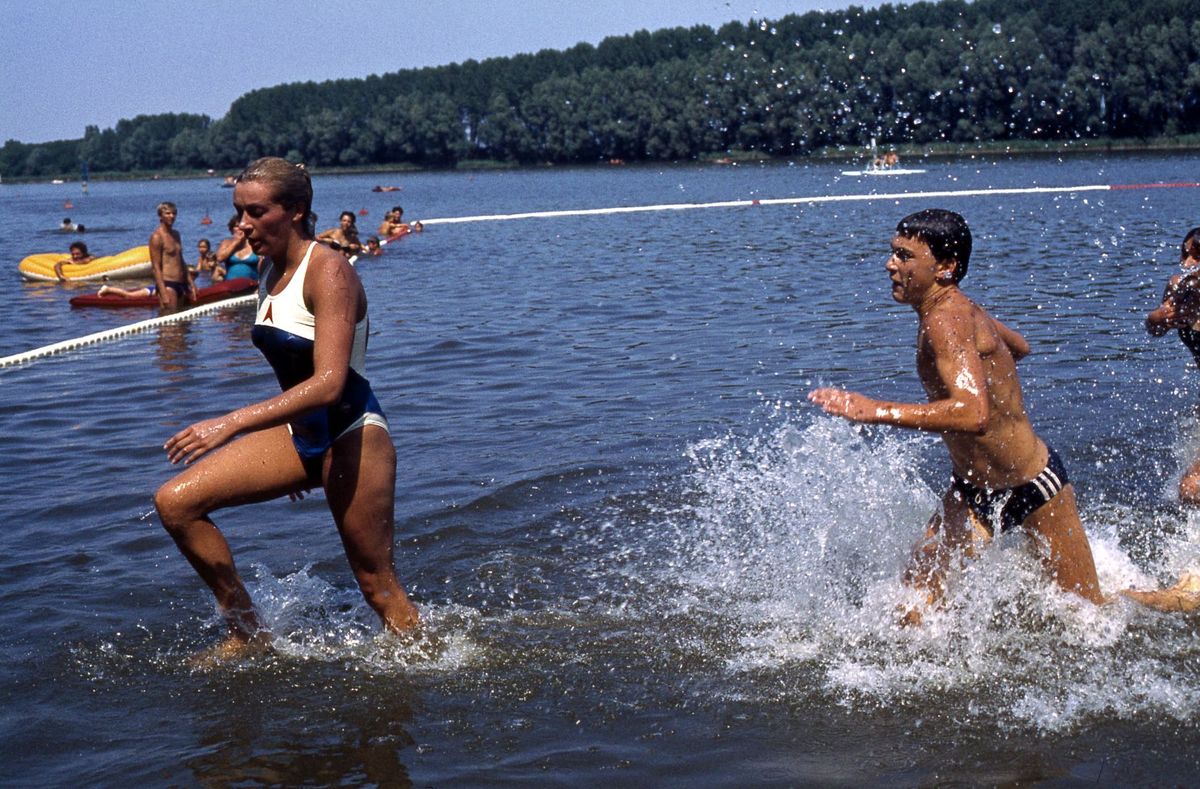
(641, 557)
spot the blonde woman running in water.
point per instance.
(325, 428)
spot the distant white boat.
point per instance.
(57, 181)
(883, 171)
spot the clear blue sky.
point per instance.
(66, 64)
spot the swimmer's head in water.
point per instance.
(79, 250)
(944, 232)
(290, 184)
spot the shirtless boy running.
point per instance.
(172, 282)
(1004, 476)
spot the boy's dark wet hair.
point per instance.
(82, 247)
(944, 232)
(1190, 248)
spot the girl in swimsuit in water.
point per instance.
(325, 427)
(235, 256)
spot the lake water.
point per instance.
(641, 556)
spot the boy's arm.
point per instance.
(156, 267)
(1018, 346)
(156, 258)
(965, 409)
(1180, 305)
(1161, 318)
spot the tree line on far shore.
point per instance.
(944, 72)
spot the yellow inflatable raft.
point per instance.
(129, 264)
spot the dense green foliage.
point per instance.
(949, 71)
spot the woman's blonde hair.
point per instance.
(290, 184)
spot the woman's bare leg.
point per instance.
(256, 467)
(1183, 597)
(360, 486)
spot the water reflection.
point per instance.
(234, 325)
(172, 350)
(351, 733)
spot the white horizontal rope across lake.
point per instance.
(635, 209)
(121, 331)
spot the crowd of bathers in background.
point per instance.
(234, 257)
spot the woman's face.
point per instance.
(267, 224)
(203, 247)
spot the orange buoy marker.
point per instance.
(362, 212)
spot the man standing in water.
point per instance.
(1004, 476)
(172, 282)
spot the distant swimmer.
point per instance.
(1004, 477)
(326, 427)
(393, 223)
(79, 256)
(373, 249)
(172, 280)
(235, 256)
(386, 188)
(206, 262)
(67, 225)
(344, 237)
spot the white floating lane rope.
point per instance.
(120, 331)
(133, 328)
(633, 209)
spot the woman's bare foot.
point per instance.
(402, 617)
(1184, 596)
(233, 647)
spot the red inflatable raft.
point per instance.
(222, 290)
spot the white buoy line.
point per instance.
(121, 331)
(132, 328)
(812, 199)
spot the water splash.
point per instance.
(798, 536)
(311, 619)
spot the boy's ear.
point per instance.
(946, 269)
